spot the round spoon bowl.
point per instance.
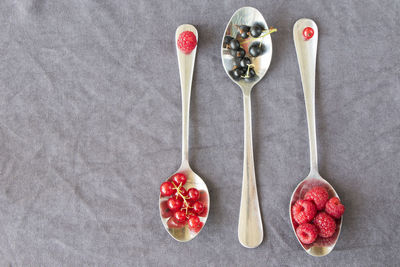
(184, 234)
(248, 16)
(322, 246)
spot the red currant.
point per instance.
(193, 222)
(174, 204)
(198, 207)
(193, 194)
(166, 189)
(180, 216)
(308, 33)
(179, 178)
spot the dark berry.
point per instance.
(244, 31)
(240, 53)
(256, 31)
(234, 44)
(244, 35)
(251, 73)
(227, 39)
(255, 50)
(244, 62)
(237, 73)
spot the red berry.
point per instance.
(308, 33)
(179, 178)
(180, 216)
(325, 224)
(334, 208)
(187, 42)
(193, 194)
(304, 211)
(307, 233)
(193, 222)
(182, 190)
(319, 195)
(198, 207)
(166, 189)
(174, 204)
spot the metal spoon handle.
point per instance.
(250, 229)
(307, 56)
(186, 67)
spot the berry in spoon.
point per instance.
(187, 42)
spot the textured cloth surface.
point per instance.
(90, 117)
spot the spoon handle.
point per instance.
(186, 67)
(307, 56)
(250, 230)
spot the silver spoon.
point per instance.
(307, 55)
(250, 229)
(186, 66)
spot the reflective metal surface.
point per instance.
(250, 229)
(307, 55)
(186, 66)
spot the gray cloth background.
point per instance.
(90, 117)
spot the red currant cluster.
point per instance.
(183, 206)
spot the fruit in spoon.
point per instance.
(187, 42)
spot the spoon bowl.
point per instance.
(306, 50)
(181, 231)
(247, 16)
(250, 228)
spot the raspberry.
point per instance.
(307, 233)
(319, 195)
(303, 211)
(187, 42)
(334, 208)
(325, 224)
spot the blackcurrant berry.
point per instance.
(255, 49)
(244, 62)
(251, 73)
(244, 35)
(237, 73)
(256, 30)
(234, 44)
(244, 31)
(227, 40)
(239, 53)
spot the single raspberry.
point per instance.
(307, 233)
(187, 42)
(303, 211)
(325, 224)
(319, 195)
(334, 208)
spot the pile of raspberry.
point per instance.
(316, 215)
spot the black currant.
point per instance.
(256, 30)
(255, 49)
(227, 40)
(244, 62)
(244, 35)
(251, 73)
(234, 44)
(237, 73)
(240, 53)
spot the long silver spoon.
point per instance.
(307, 56)
(250, 229)
(186, 66)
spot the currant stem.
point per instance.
(270, 30)
(182, 196)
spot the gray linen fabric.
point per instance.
(90, 127)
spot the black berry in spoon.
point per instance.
(250, 74)
(256, 30)
(255, 49)
(244, 31)
(239, 53)
(234, 44)
(237, 73)
(244, 62)
(227, 40)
